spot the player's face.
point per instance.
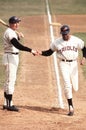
(14, 26)
(65, 37)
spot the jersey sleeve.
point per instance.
(80, 44)
(11, 34)
(52, 46)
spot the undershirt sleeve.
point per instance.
(19, 46)
(47, 52)
(84, 52)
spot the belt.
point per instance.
(67, 60)
(15, 53)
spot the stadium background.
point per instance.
(35, 91)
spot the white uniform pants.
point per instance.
(10, 62)
(70, 76)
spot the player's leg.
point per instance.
(11, 71)
(65, 69)
(5, 88)
(74, 80)
(12, 80)
(74, 75)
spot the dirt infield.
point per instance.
(35, 91)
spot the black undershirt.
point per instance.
(19, 46)
(84, 52)
(47, 52)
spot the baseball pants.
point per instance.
(10, 62)
(70, 76)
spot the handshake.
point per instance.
(36, 53)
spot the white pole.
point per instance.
(60, 100)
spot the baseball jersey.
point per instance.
(67, 49)
(8, 36)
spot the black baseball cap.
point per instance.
(14, 20)
(65, 29)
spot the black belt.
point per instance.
(15, 53)
(67, 60)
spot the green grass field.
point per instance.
(68, 6)
(22, 8)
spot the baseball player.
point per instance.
(67, 47)
(12, 46)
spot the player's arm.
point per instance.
(84, 56)
(47, 52)
(84, 52)
(19, 46)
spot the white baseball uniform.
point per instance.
(67, 52)
(10, 60)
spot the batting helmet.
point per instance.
(64, 29)
(14, 20)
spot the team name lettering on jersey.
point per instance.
(68, 48)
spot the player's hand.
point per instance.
(20, 35)
(39, 52)
(34, 52)
(83, 61)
